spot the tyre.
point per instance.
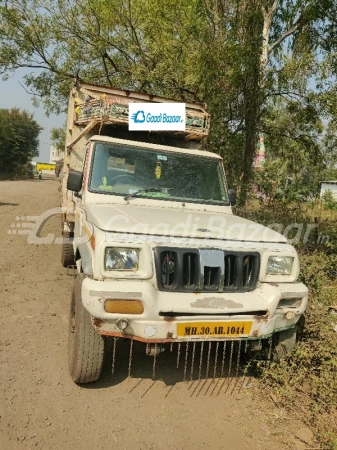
(67, 251)
(284, 343)
(85, 345)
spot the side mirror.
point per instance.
(75, 178)
(232, 196)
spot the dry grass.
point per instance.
(306, 381)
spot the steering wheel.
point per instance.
(112, 180)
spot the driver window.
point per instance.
(99, 169)
(110, 170)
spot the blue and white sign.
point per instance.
(157, 116)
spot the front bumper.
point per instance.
(164, 311)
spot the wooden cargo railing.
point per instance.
(197, 124)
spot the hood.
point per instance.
(178, 223)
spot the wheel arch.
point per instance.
(83, 254)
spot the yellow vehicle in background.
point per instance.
(45, 166)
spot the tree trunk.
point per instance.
(252, 45)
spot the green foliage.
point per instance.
(238, 57)
(295, 160)
(19, 143)
(58, 137)
(276, 183)
(329, 202)
(306, 380)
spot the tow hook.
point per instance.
(154, 349)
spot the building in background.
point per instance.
(55, 154)
(328, 186)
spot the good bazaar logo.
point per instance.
(157, 116)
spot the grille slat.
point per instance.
(168, 272)
(248, 270)
(181, 270)
(211, 278)
(190, 269)
(230, 271)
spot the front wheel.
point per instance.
(67, 250)
(284, 343)
(85, 345)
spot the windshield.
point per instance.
(124, 170)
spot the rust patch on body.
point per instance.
(97, 323)
(169, 318)
(215, 303)
(165, 340)
(262, 318)
(137, 338)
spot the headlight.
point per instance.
(280, 265)
(121, 259)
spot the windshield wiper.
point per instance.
(150, 189)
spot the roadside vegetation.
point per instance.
(305, 382)
(19, 143)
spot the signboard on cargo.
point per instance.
(157, 116)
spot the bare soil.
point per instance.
(41, 407)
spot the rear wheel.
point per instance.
(67, 251)
(85, 345)
(284, 343)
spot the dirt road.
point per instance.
(41, 407)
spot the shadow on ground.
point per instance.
(8, 204)
(208, 368)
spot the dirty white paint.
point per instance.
(216, 303)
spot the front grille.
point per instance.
(206, 270)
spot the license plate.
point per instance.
(213, 329)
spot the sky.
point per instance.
(12, 94)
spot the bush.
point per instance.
(24, 172)
(306, 380)
(329, 202)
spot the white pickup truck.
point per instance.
(160, 257)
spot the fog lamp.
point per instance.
(124, 306)
(290, 303)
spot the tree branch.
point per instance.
(284, 36)
(298, 138)
(106, 71)
(111, 61)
